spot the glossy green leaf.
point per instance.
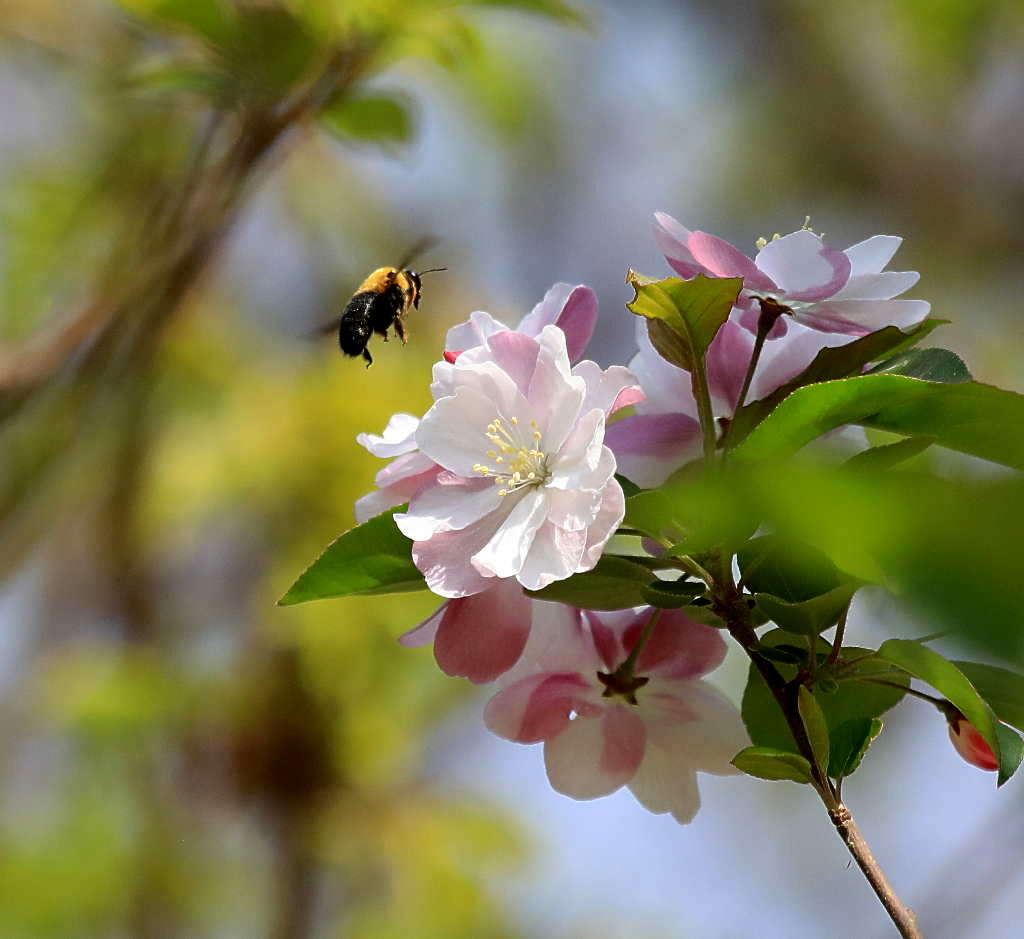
(889, 455)
(683, 315)
(970, 417)
(787, 569)
(1001, 688)
(828, 365)
(815, 724)
(769, 763)
(376, 118)
(927, 364)
(372, 558)
(808, 617)
(1011, 751)
(926, 664)
(614, 584)
(849, 742)
(673, 594)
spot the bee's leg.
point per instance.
(400, 329)
(367, 356)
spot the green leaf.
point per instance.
(1011, 751)
(853, 699)
(683, 315)
(207, 18)
(815, 724)
(808, 617)
(828, 365)
(927, 364)
(927, 665)
(769, 763)
(848, 744)
(970, 417)
(553, 9)
(376, 118)
(373, 558)
(614, 584)
(1001, 688)
(785, 568)
(877, 459)
(672, 594)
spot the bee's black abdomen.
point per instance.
(385, 308)
(356, 325)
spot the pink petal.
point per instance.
(678, 648)
(593, 757)
(626, 397)
(573, 510)
(536, 707)
(871, 256)
(482, 637)
(882, 286)
(803, 266)
(381, 500)
(447, 507)
(555, 394)
(662, 784)
(609, 517)
(671, 238)
(505, 552)
(667, 387)
(423, 634)
(721, 259)
(516, 354)
(727, 361)
(577, 320)
(445, 559)
(558, 642)
(554, 555)
(472, 332)
(399, 437)
(860, 317)
(452, 432)
(784, 359)
(605, 387)
(649, 447)
(405, 466)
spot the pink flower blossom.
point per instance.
(528, 488)
(665, 433)
(479, 637)
(403, 476)
(828, 290)
(970, 744)
(601, 729)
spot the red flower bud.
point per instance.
(452, 356)
(970, 744)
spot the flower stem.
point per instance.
(837, 642)
(625, 670)
(702, 395)
(762, 335)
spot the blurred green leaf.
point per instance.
(614, 584)
(970, 417)
(785, 568)
(683, 315)
(768, 763)
(830, 364)
(554, 9)
(849, 742)
(939, 365)
(377, 118)
(886, 456)
(924, 663)
(1001, 688)
(815, 724)
(210, 19)
(372, 558)
(1011, 752)
(808, 617)
(671, 595)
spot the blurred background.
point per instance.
(188, 189)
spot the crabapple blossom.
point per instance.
(608, 719)
(970, 744)
(832, 291)
(664, 433)
(527, 488)
(404, 475)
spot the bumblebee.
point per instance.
(380, 302)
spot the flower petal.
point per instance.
(609, 517)
(593, 757)
(728, 358)
(649, 447)
(445, 559)
(516, 355)
(784, 359)
(445, 506)
(671, 237)
(506, 550)
(678, 647)
(667, 388)
(871, 255)
(554, 555)
(482, 637)
(536, 707)
(571, 309)
(399, 437)
(860, 317)
(721, 259)
(664, 784)
(403, 467)
(605, 387)
(472, 332)
(882, 286)
(446, 433)
(555, 395)
(423, 634)
(582, 462)
(804, 266)
(380, 500)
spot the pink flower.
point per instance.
(602, 729)
(828, 290)
(479, 637)
(665, 433)
(402, 477)
(528, 488)
(970, 744)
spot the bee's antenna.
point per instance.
(431, 270)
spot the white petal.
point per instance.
(554, 555)
(399, 437)
(613, 510)
(472, 332)
(863, 315)
(505, 552)
(546, 312)
(404, 467)
(871, 255)
(580, 454)
(444, 560)
(556, 396)
(883, 286)
(592, 757)
(440, 507)
(453, 432)
(667, 387)
(603, 385)
(663, 784)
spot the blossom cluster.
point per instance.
(510, 484)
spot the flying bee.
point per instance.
(380, 302)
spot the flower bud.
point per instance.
(970, 744)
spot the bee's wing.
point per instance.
(424, 244)
(318, 332)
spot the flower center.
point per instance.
(519, 460)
